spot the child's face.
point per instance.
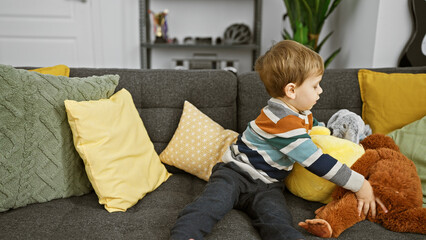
(308, 93)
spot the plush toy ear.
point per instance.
(333, 118)
(367, 130)
(377, 140)
(365, 133)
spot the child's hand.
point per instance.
(367, 200)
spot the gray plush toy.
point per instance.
(348, 125)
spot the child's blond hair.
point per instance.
(287, 62)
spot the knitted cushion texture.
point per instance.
(38, 161)
(411, 140)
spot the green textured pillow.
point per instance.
(38, 161)
(411, 140)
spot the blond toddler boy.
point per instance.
(253, 169)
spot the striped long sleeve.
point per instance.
(277, 139)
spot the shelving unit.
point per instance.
(147, 46)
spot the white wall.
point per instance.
(394, 28)
(272, 26)
(117, 35)
(354, 24)
(371, 33)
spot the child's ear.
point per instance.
(289, 90)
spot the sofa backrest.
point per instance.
(340, 91)
(159, 96)
(232, 101)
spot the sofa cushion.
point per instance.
(38, 159)
(411, 140)
(198, 143)
(252, 97)
(390, 101)
(58, 70)
(340, 91)
(151, 218)
(118, 155)
(159, 96)
(154, 216)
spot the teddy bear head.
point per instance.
(376, 141)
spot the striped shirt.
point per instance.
(278, 138)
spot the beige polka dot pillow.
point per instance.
(198, 143)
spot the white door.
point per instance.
(77, 33)
(46, 32)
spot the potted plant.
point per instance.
(307, 18)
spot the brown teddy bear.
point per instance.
(394, 180)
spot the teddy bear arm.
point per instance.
(365, 162)
(338, 193)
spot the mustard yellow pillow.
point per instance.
(58, 70)
(118, 155)
(198, 143)
(309, 186)
(391, 101)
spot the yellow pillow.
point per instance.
(118, 155)
(391, 101)
(198, 143)
(58, 70)
(309, 186)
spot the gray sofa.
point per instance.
(231, 101)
